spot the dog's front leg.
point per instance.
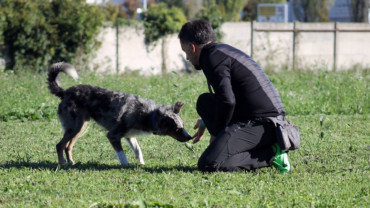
(137, 150)
(117, 146)
(122, 158)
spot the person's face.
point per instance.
(192, 53)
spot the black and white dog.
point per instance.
(122, 114)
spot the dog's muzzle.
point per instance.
(182, 135)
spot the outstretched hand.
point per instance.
(199, 135)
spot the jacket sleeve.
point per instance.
(220, 80)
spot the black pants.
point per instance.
(241, 146)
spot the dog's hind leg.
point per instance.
(61, 146)
(115, 141)
(136, 148)
(72, 142)
(71, 130)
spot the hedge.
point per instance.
(37, 33)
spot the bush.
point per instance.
(213, 15)
(162, 21)
(39, 32)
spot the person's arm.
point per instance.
(220, 79)
(201, 128)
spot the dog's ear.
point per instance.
(177, 107)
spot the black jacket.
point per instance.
(241, 87)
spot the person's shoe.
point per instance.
(281, 161)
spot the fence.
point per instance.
(295, 30)
(329, 46)
(277, 46)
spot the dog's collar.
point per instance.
(154, 115)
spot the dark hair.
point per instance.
(198, 32)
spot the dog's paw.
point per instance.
(127, 166)
(63, 163)
(71, 162)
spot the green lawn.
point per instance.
(330, 170)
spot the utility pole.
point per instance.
(367, 11)
(145, 5)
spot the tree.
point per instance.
(39, 32)
(175, 3)
(161, 21)
(311, 11)
(250, 8)
(181, 4)
(131, 7)
(360, 10)
(114, 12)
(212, 14)
(229, 9)
(193, 7)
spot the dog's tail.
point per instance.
(53, 80)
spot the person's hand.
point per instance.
(198, 136)
(212, 139)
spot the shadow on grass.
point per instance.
(91, 166)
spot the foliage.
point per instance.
(117, 16)
(360, 10)
(131, 8)
(78, 24)
(176, 3)
(27, 34)
(231, 9)
(250, 9)
(330, 170)
(161, 21)
(39, 32)
(2, 26)
(212, 14)
(114, 12)
(192, 8)
(311, 11)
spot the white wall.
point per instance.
(273, 50)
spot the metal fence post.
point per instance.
(294, 34)
(252, 38)
(335, 47)
(117, 47)
(296, 31)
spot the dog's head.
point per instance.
(167, 121)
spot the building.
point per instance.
(341, 11)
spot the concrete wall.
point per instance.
(313, 49)
(271, 49)
(134, 54)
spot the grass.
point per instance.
(330, 170)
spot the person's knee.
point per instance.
(203, 101)
(205, 165)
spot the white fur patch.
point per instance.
(179, 122)
(122, 158)
(137, 150)
(71, 71)
(135, 133)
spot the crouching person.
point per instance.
(235, 111)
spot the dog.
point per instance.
(121, 114)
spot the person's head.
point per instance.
(193, 36)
